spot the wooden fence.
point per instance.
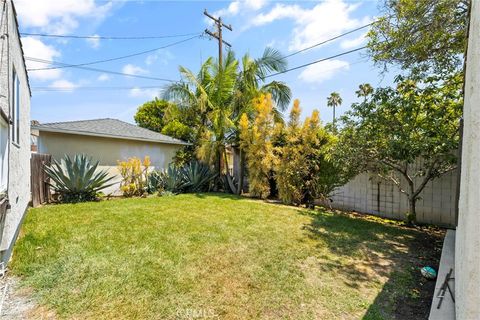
(39, 179)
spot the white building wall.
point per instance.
(467, 246)
(19, 155)
(368, 193)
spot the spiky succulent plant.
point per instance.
(77, 179)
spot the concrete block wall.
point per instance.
(369, 193)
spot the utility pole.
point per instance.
(218, 35)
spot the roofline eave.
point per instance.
(103, 135)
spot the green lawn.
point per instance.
(222, 257)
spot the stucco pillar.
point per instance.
(467, 247)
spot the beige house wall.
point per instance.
(108, 151)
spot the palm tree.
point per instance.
(209, 94)
(251, 82)
(333, 101)
(364, 90)
(220, 95)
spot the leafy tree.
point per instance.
(151, 115)
(177, 129)
(405, 134)
(305, 170)
(334, 100)
(167, 118)
(256, 141)
(427, 36)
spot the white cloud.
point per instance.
(103, 77)
(150, 59)
(37, 49)
(163, 57)
(255, 4)
(59, 16)
(280, 11)
(65, 85)
(240, 6)
(314, 25)
(133, 69)
(355, 42)
(144, 93)
(317, 73)
(94, 42)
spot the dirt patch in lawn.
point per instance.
(367, 256)
(408, 294)
(426, 252)
(17, 303)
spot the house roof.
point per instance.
(107, 128)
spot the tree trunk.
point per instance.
(225, 160)
(219, 162)
(412, 212)
(241, 173)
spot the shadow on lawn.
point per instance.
(219, 195)
(370, 251)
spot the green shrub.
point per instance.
(77, 179)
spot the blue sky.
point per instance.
(287, 26)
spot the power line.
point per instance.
(82, 66)
(316, 61)
(98, 70)
(120, 57)
(329, 40)
(66, 89)
(72, 36)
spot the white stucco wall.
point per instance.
(467, 246)
(19, 155)
(108, 151)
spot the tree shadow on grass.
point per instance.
(218, 195)
(371, 250)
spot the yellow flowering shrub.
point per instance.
(134, 174)
(256, 141)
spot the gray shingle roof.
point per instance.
(111, 128)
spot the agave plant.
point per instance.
(154, 180)
(77, 179)
(172, 179)
(198, 176)
(193, 177)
